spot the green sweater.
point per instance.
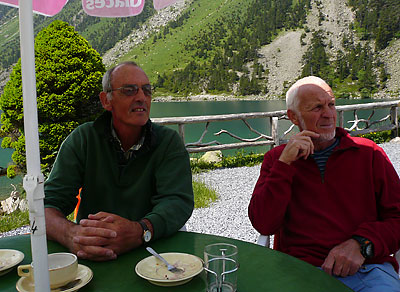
(156, 183)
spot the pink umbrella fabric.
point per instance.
(44, 7)
(119, 8)
(101, 8)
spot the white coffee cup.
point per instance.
(63, 268)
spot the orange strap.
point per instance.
(77, 205)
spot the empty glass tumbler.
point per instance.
(221, 265)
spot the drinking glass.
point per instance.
(221, 265)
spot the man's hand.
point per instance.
(101, 237)
(60, 229)
(89, 243)
(344, 259)
(128, 233)
(299, 145)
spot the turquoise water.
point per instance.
(5, 183)
(193, 132)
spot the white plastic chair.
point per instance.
(264, 240)
(397, 255)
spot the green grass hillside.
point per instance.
(212, 47)
(165, 54)
(9, 31)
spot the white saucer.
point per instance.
(153, 270)
(9, 258)
(84, 274)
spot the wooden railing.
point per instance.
(358, 126)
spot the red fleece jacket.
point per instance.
(359, 194)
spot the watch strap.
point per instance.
(366, 246)
(144, 225)
(147, 235)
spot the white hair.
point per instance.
(291, 94)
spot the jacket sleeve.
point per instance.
(271, 195)
(65, 179)
(385, 231)
(173, 203)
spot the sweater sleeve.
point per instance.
(271, 194)
(173, 203)
(385, 231)
(64, 181)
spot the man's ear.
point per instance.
(105, 102)
(293, 117)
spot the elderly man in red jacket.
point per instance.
(331, 200)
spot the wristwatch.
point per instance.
(366, 246)
(146, 232)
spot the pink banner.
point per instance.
(120, 8)
(44, 7)
(113, 8)
(102, 8)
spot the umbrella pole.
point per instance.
(33, 181)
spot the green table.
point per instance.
(261, 269)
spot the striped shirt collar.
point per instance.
(327, 149)
(137, 146)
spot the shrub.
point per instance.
(68, 81)
(379, 137)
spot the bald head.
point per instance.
(292, 94)
(107, 78)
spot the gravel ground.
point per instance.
(228, 216)
(22, 230)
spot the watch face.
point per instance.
(368, 250)
(147, 236)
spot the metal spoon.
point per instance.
(170, 267)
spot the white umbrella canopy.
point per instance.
(33, 180)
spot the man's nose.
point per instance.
(328, 112)
(140, 96)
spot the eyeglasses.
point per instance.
(133, 89)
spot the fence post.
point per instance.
(274, 131)
(181, 129)
(341, 119)
(394, 117)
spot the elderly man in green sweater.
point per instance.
(134, 176)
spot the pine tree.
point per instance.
(68, 76)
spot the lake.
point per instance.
(192, 133)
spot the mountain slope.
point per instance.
(208, 51)
(195, 37)
(391, 58)
(168, 50)
(283, 57)
(347, 45)
(138, 36)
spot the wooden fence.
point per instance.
(358, 126)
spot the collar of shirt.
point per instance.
(327, 150)
(128, 153)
